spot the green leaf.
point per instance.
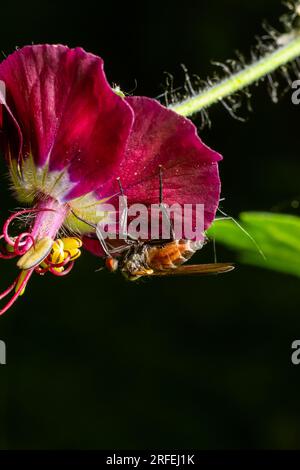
(271, 240)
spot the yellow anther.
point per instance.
(36, 254)
(63, 248)
(74, 255)
(59, 270)
(57, 254)
(70, 243)
(71, 247)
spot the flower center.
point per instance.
(39, 250)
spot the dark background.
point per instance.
(94, 361)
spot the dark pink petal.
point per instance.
(190, 168)
(69, 116)
(92, 244)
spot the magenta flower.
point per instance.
(65, 132)
(67, 137)
(161, 138)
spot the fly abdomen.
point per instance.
(171, 255)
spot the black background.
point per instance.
(96, 362)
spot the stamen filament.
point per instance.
(62, 273)
(8, 290)
(58, 265)
(10, 241)
(17, 293)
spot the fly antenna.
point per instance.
(228, 217)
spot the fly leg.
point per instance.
(123, 218)
(124, 213)
(105, 246)
(162, 206)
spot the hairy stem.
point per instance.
(250, 74)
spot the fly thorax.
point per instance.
(135, 262)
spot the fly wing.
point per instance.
(196, 269)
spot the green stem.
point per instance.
(240, 80)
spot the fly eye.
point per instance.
(111, 264)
